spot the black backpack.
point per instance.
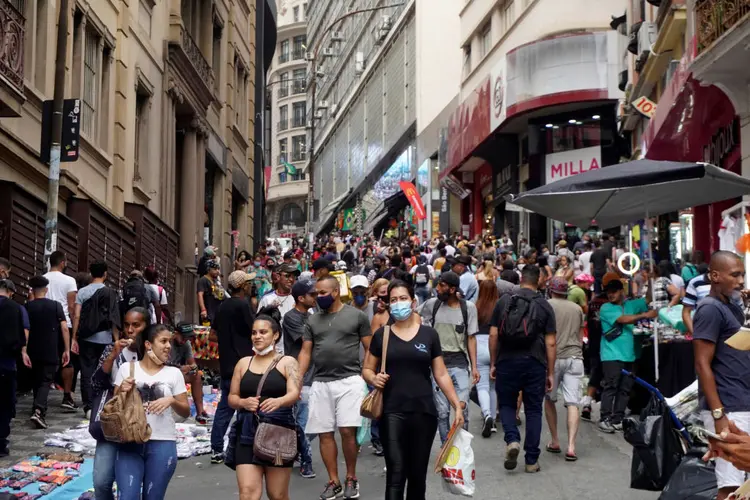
(520, 323)
(97, 313)
(464, 314)
(134, 294)
(422, 275)
(11, 335)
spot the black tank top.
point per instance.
(274, 387)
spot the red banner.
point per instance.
(414, 199)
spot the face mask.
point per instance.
(265, 351)
(256, 264)
(401, 310)
(360, 300)
(324, 301)
(444, 296)
(153, 357)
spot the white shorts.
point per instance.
(335, 404)
(568, 375)
(727, 476)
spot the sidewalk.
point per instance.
(25, 439)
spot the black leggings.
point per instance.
(407, 440)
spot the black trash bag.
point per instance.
(657, 447)
(694, 479)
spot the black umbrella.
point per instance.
(627, 192)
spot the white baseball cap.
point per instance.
(358, 280)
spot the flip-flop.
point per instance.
(570, 457)
(550, 449)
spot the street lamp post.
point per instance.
(314, 83)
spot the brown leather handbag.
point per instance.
(274, 443)
(372, 405)
(123, 418)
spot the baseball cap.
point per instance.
(287, 268)
(288, 255)
(302, 287)
(341, 266)
(186, 329)
(212, 264)
(464, 259)
(238, 278)
(609, 277)
(559, 285)
(359, 281)
(321, 264)
(451, 279)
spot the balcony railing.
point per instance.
(196, 58)
(299, 86)
(298, 54)
(716, 17)
(283, 90)
(298, 156)
(283, 57)
(283, 125)
(11, 57)
(298, 121)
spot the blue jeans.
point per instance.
(485, 392)
(150, 466)
(104, 469)
(222, 418)
(301, 413)
(514, 375)
(423, 293)
(462, 384)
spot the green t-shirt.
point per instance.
(577, 295)
(623, 347)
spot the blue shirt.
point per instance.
(623, 347)
(469, 286)
(9, 364)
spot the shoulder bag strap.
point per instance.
(132, 369)
(265, 375)
(435, 309)
(386, 335)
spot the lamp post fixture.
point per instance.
(314, 83)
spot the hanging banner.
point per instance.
(349, 221)
(414, 199)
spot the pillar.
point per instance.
(200, 174)
(188, 186)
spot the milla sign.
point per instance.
(559, 166)
(722, 143)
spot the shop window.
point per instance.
(291, 215)
(485, 42)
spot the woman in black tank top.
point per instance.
(278, 395)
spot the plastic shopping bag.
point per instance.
(363, 433)
(458, 470)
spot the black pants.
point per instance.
(7, 404)
(75, 363)
(89, 354)
(42, 375)
(615, 390)
(407, 440)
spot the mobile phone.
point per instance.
(705, 433)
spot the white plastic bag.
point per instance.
(458, 471)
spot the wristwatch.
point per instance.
(718, 413)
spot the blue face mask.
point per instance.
(401, 310)
(360, 300)
(325, 301)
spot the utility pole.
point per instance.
(50, 224)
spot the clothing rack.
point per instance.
(738, 211)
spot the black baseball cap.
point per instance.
(464, 259)
(302, 287)
(321, 264)
(451, 279)
(185, 329)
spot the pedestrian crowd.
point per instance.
(305, 333)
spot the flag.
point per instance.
(290, 169)
(414, 199)
(348, 219)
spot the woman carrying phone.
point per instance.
(278, 395)
(143, 471)
(409, 420)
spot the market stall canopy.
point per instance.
(626, 192)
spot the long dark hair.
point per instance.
(150, 334)
(488, 296)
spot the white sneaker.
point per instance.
(586, 401)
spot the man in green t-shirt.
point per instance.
(578, 295)
(618, 352)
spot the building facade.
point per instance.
(288, 186)
(167, 152)
(537, 101)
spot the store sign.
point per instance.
(498, 101)
(504, 182)
(414, 199)
(469, 124)
(645, 106)
(455, 186)
(722, 143)
(568, 163)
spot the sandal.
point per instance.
(570, 457)
(551, 449)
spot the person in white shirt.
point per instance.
(281, 296)
(585, 258)
(152, 278)
(63, 290)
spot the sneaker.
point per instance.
(202, 419)
(511, 455)
(352, 488)
(533, 468)
(494, 427)
(487, 427)
(306, 471)
(605, 426)
(87, 412)
(586, 413)
(217, 458)
(68, 403)
(377, 449)
(332, 490)
(37, 418)
(617, 426)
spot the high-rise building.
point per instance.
(167, 145)
(288, 186)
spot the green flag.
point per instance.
(290, 169)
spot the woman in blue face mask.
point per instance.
(409, 420)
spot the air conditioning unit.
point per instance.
(359, 63)
(323, 104)
(646, 37)
(386, 24)
(320, 72)
(319, 113)
(337, 36)
(381, 29)
(309, 124)
(334, 109)
(328, 52)
(309, 56)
